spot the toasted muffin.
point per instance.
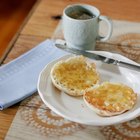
(109, 99)
(74, 75)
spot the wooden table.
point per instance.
(41, 23)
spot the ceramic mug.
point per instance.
(81, 26)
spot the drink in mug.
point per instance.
(81, 26)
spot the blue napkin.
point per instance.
(18, 79)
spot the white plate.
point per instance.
(74, 108)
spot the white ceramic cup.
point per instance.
(83, 33)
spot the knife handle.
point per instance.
(129, 66)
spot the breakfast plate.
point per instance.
(74, 108)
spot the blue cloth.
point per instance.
(18, 79)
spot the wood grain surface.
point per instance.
(41, 25)
(12, 14)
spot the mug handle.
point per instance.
(110, 28)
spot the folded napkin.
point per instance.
(18, 79)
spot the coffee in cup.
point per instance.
(81, 26)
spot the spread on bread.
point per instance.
(110, 99)
(74, 75)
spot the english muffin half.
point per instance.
(109, 99)
(74, 75)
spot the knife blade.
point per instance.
(97, 57)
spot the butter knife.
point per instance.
(94, 56)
